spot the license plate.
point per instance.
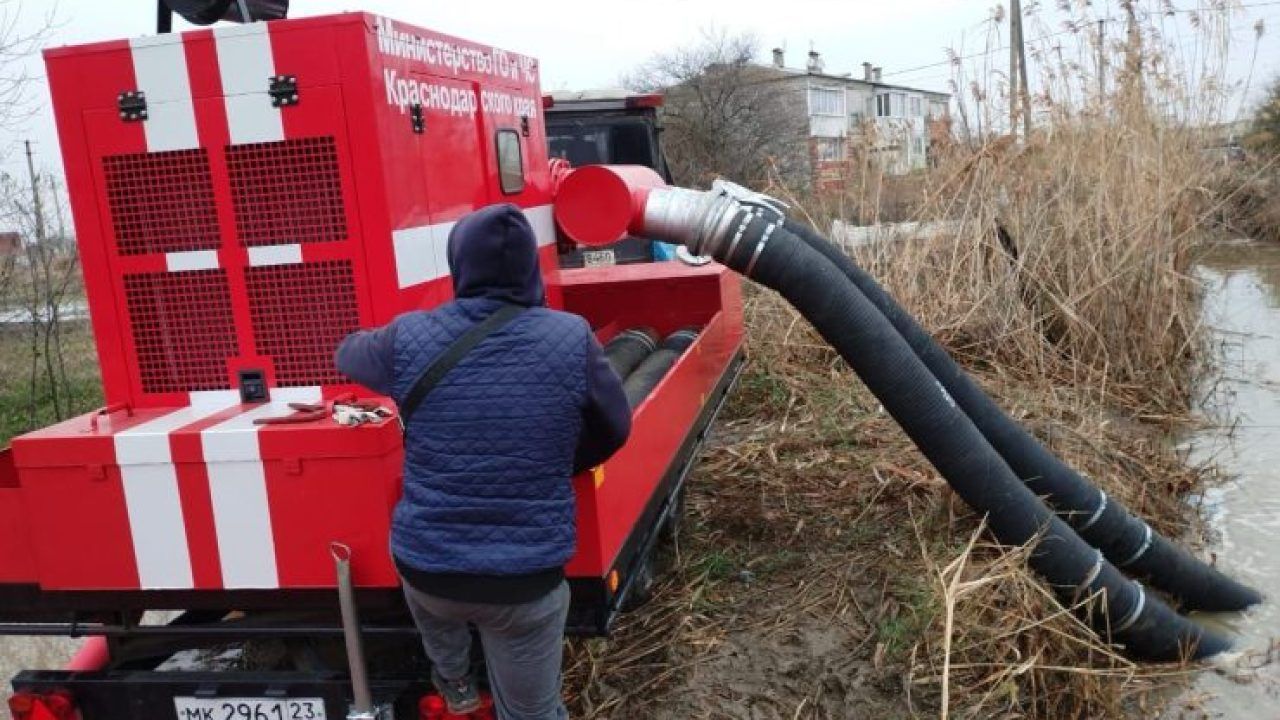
(244, 708)
(598, 258)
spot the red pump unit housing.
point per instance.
(244, 197)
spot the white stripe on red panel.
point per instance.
(160, 68)
(213, 398)
(418, 253)
(260, 255)
(238, 488)
(544, 224)
(422, 251)
(152, 500)
(246, 64)
(191, 260)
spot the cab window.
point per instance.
(510, 162)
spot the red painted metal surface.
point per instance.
(599, 204)
(224, 233)
(667, 297)
(16, 565)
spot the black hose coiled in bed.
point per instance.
(629, 348)
(650, 372)
(762, 249)
(1102, 521)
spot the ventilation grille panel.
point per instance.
(287, 192)
(182, 328)
(161, 202)
(300, 314)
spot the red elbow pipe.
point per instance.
(602, 204)
(92, 656)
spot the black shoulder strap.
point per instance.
(451, 356)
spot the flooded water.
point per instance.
(1242, 408)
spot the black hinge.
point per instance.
(524, 125)
(417, 119)
(132, 105)
(283, 90)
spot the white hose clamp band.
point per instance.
(1142, 549)
(1093, 575)
(1097, 513)
(1133, 615)
(737, 236)
(643, 337)
(713, 232)
(755, 256)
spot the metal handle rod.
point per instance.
(363, 703)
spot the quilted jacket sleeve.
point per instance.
(606, 416)
(368, 357)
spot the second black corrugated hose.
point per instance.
(1102, 521)
(861, 334)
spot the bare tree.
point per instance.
(726, 115)
(16, 46)
(37, 283)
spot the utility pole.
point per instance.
(1022, 69)
(1013, 68)
(1102, 62)
(35, 195)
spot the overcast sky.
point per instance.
(589, 43)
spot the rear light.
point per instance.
(20, 705)
(56, 705)
(432, 707)
(60, 704)
(652, 100)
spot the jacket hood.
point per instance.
(493, 254)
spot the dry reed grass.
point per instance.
(812, 513)
(828, 571)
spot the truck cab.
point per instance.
(607, 126)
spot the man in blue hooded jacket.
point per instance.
(486, 521)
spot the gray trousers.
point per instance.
(523, 646)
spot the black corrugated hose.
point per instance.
(649, 373)
(629, 348)
(762, 249)
(1102, 521)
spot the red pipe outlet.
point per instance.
(602, 204)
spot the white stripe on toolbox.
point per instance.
(246, 65)
(151, 497)
(422, 252)
(238, 488)
(191, 260)
(160, 68)
(205, 398)
(260, 255)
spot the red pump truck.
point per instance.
(244, 197)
